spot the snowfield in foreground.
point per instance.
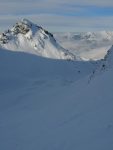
(48, 104)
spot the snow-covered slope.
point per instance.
(88, 45)
(17, 64)
(28, 37)
(48, 104)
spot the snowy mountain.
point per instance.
(54, 104)
(87, 45)
(28, 37)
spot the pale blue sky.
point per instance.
(59, 15)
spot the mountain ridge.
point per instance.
(29, 37)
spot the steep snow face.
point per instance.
(107, 62)
(104, 65)
(88, 45)
(28, 37)
(109, 57)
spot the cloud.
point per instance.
(100, 3)
(59, 15)
(29, 7)
(63, 23)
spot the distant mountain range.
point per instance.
(87, 45)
